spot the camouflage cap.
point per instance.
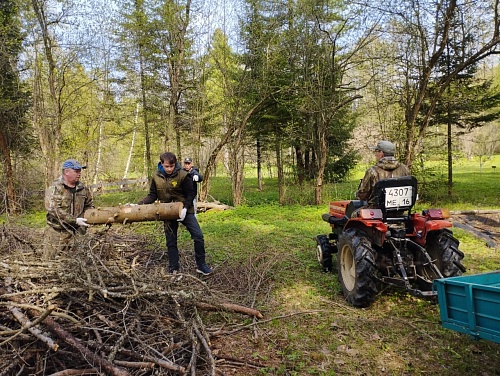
(386, 147)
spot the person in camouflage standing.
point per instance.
(386, 167)
(66, 200)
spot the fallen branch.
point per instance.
(220, 332)
(144, 365)
(75, 344)
(231, 308)
(26, 324)
(132, 354)
(76, 372)
(134, 213)
(234, 361)
(8, 369)
(140, 317)
(207, 349)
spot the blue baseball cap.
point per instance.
(72, 163)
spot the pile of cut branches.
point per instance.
(107, 308)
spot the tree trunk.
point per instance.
(236, 164)
(99, 151)
(322, 158)
(174, 49)
(11, 204)
(301, 168)
(131, 150)
(279, 167)
(259, 165)
(232, 127)
(49, 120)
(211, 163)
(145, 115)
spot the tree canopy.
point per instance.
(304, 85)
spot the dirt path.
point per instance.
(484, 226)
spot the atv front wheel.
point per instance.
(442, 247)
(356, 266)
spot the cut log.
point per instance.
(204, 206)
(134, 213)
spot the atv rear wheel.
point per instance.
(324, 253)
(356, 266)
(442, 247)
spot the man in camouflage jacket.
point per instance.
(386, 167)
(66, 200)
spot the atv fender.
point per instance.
(422, 226)
(375, 229)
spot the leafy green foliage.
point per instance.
(300, 71)
(15, 132)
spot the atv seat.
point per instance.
(395, 197)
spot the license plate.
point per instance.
(398, 196)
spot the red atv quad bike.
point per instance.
(389, 246)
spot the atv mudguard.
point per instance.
(422, 225)
(339, 218)
(374, 228)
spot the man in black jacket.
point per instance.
(170, 183)
(195, 174)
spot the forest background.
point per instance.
(280, 99)
(298, 89)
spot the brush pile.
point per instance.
(109, 308)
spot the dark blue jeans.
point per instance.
(194, 229)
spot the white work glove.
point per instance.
(196, 178)
(82, 222)
(183, 215)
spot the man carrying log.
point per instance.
(170, 183)
(66, 200)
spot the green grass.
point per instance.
(398, 335)
(474, 187)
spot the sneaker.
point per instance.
(173, 270)
(204, 269)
